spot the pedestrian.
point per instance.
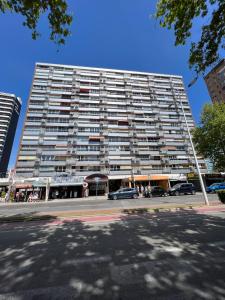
(17, 198)
(7, 197)
(142, 190)
(30, 198)
(22, 197)
(149, 190)
(86, 192)
(137, 188)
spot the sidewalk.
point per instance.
(113, 213)
(136, 208)
(54, 201)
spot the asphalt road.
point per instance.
(165, 256)
(99, 203)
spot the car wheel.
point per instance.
(115, 197)
(177, 193)
(135, 196)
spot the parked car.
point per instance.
(182, 188)
(156, 191)
(123, 194)
(213, 188)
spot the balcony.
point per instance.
(88, 163)
(121, 172)
(52, 163)
(25, 164)
(120, 162)
(180, 171)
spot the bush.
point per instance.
(3, 194)
(221, 195)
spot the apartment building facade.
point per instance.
(10, 106)
(123, 124)
(215, 81)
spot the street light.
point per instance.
(193, 148)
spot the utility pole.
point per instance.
(193, 148)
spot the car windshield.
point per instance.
(176, 186)
(214, 184)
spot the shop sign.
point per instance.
(67, 179)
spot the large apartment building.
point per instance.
(124, 124)
(215, 81)
(10, 106)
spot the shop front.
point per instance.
(97, 185)
(145, 180)
(66, 186)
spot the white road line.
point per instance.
(86, 260)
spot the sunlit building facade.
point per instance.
(124, 124)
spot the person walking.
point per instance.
(142, 190)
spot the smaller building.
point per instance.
(215, 81)
(10, 106)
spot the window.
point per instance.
(47, 157)
(60, 169)
(114, 167)
(93, 129)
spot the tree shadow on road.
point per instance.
(141, 256)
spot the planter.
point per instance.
(221, 195)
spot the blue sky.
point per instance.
(112, 34)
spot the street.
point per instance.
(99, 203)
(141, 256)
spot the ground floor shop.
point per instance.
(65, 192)
(70, 186)
(152, 180)
(96, 185)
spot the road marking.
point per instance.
(87, 260)
(172, 249)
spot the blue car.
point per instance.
(123, 194)
(213, 188)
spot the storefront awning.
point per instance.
(150, 177)
(96, 178)
(24, 186)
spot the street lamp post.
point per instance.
(97, 179)
(194, 152)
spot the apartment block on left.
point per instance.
(10, 106)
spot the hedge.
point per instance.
(221, 195)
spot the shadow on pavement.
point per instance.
(179, 256)
(26, 217)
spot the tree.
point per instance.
(209, 137)
(180, 15)
(56, 10)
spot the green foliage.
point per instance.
(209, 138)
(3, 194)
(11, 196)
(56, 10)
(221, 195)
(180, 15)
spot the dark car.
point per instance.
(213, 188)
(156, 191)
(123, 194)
(182, 188)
